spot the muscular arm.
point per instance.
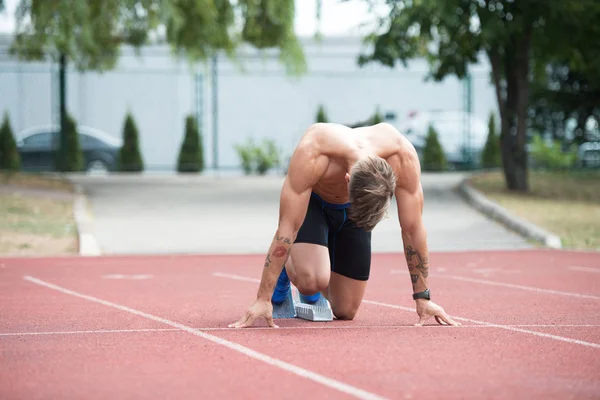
(409, 198)
(307, 165)
(293, 205)
(414, 236)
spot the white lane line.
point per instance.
(506, 327)
(236, 277)
(323, 380)
(260, 328)
(585, 269)
(87, 332)
(512, 286)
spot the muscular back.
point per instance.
(327, 151)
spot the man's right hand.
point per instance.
(260, 308)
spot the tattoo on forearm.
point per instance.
(280, 251)
(284, 239)
(414, 278)
(268, 261)
(416, 261)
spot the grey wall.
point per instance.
(261, 102)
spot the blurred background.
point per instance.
(228, 87)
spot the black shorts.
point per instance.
(349, 246)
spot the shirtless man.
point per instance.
(339, 185)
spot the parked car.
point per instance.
(450, 126)
(36, 147)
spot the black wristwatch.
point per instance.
(422, 295)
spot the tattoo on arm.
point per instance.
(280, 250)
(268, 261)
(284, 239)
(416, 264)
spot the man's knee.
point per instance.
(309, 282)
(344, 312)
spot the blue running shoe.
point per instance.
(313, 298)
(282, 288)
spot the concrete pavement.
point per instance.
(155, 214)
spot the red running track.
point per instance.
(156, 328)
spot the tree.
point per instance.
(89, 34)
(86, 33)
(191, 154)
(9, 155)
(321, 115)
(491, 156)
(434, 158)
(517, 37)
(130, 156)
(200, 29)
(69, 157)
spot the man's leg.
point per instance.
(308, 264)
(309, 270)
(350, 254)
(345, 295)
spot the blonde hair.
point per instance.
(371, 187)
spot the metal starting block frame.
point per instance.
(293, 307)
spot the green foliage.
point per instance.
(191, 153)
(200, 28)
(258, 159)
(88, 33)
(321, 116)
(374, 119)
(434, 158)
(491, 157)
(551, 156)
(377, 118)
(69, 157)
(10, 159)
(130, 157)
(246, 154)
(519, 38)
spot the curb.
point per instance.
(500, 214)
(88, 246)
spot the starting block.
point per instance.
(293, 307)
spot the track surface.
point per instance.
(155, 328)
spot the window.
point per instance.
(39, 140)
(89, 141)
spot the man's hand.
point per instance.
(260, 308)
(427, 309)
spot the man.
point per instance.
(339, 185)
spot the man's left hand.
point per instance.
(427, 309)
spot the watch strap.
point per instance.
(422, 295)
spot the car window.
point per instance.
(89, 141)
(38, 140)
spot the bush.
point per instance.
(321, 116)
(551, 156)
(69, 157)
(374, 119)
(130, 157)
(191, 154)
(434, 158)
(10, 159)
(267, 157)
(377, 118)
(491, 157)
(258, 159)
